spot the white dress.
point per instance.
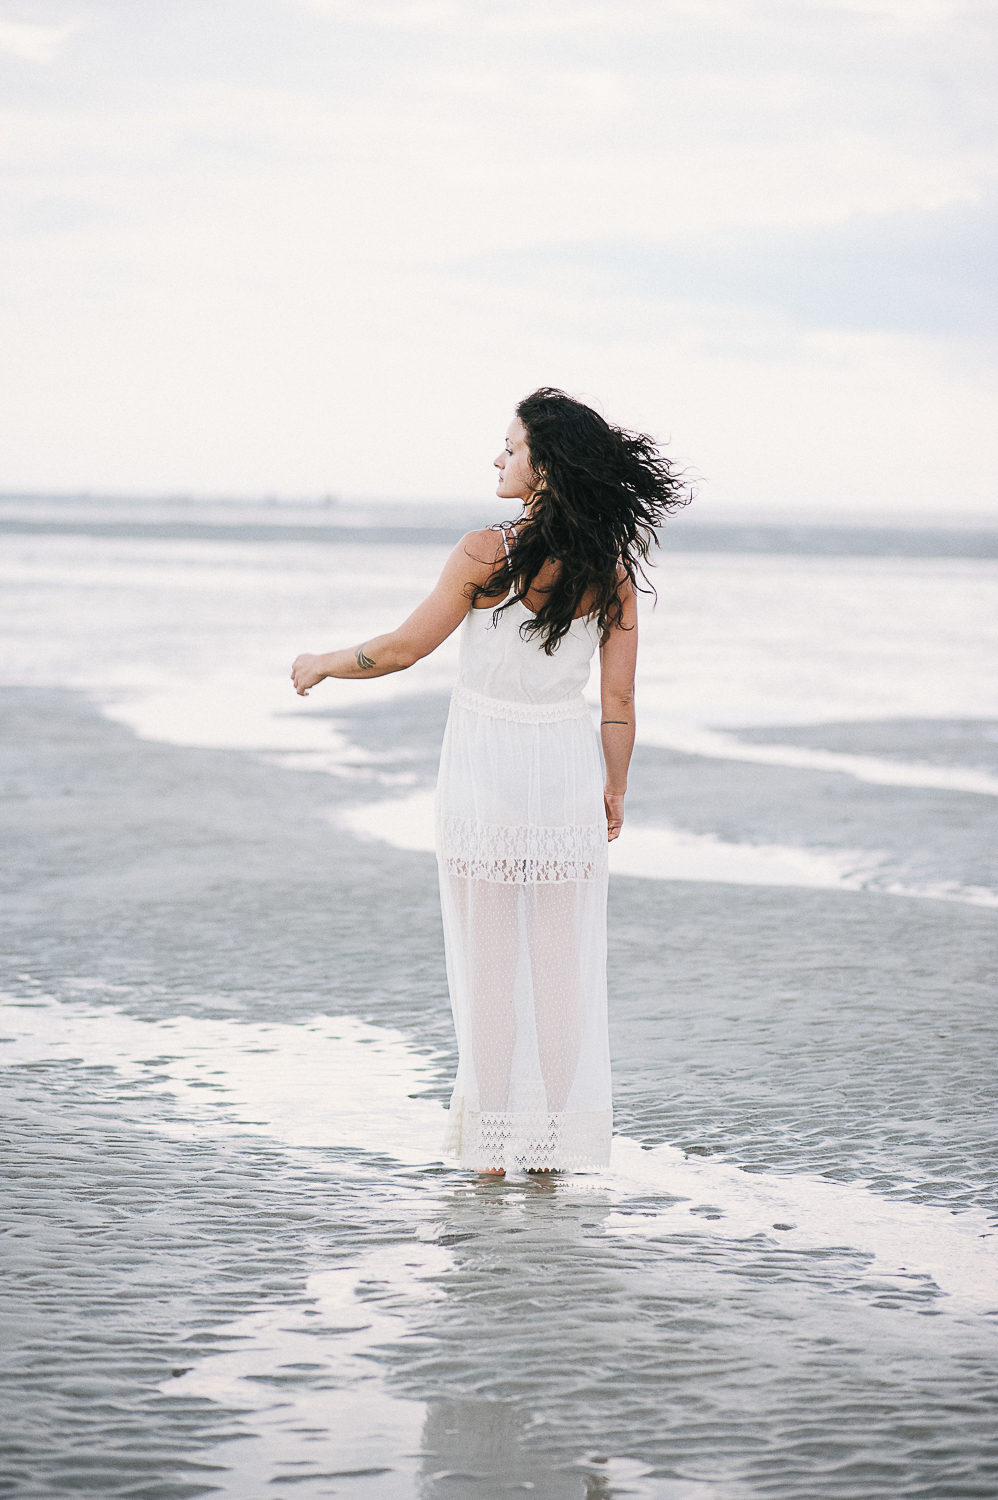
(522, 852)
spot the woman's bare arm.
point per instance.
(440, 613)
(618, 658)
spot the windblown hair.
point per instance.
(601, 494)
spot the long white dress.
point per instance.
(522, 853)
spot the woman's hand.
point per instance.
(614, 805)
(306, 673)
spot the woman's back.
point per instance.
(497, 662)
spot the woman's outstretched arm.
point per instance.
(618, 658)
(440, 613)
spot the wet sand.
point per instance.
(540, 1327)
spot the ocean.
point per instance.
(236, 1263)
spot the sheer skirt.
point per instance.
(521, 840)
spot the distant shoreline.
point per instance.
(802, 539)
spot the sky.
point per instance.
(299, 247)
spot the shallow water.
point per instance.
(235, 1261)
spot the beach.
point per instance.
(238, 1263)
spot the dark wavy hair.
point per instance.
(601, 494)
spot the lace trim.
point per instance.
(521, 713)
(523, 854)
(541, 1141)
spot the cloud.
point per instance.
(34, 43)
(613, 17)
(910, 272)
(759, 226)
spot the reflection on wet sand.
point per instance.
(478, 1449)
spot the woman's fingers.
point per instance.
(303, 674)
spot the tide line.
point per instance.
(673, 854)
(877, 770)
(340, 1083)
(656, 853)
(957, 1252)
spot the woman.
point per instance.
(523, 811)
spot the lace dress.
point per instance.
(522, 852)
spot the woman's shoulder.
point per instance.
(485, 546)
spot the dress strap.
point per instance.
(504, 527)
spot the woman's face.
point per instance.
(517, 480)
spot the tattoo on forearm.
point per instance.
(364, 662)
(625, 722)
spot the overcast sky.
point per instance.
(298, 246)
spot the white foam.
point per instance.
(338, 1082)
(673, 854)
(332, 1082)
(942, 890)
(906, 1240)
(656, 853)
(234, 712)
(670, 854)
(869, 768)
(405, 823)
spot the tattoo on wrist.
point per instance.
(626, 722)
(363, 661)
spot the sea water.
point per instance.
(239, 1264)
